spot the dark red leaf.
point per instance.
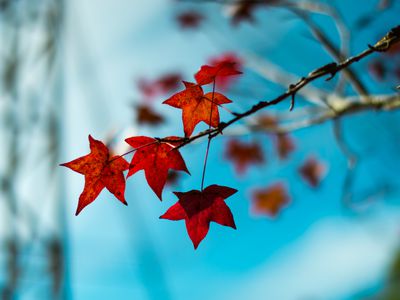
(168, 83)
(243, 10)
(189, 19)
(146, 115)
(155, 159)
(312, 171)
(377, 69)
(284, 145)
(243, 155)
(269, 201)
(196, 106)
(199, 208)
(267, 122)
(101, 171)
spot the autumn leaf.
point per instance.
(208, 74)
(147, 88)
(284, 145)
(100, 170)
(168, 83)
(270, 200)
(173, 178)
(164, 84)
(377, 69)
(155, 158)
(189, 19)
(196, 106)
(243, 10)
(223, 82)
(199, 208)
(243, 155)
(312, 171)
(267, 122)
(146, 115)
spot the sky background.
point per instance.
(315, 249)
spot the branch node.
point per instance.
(387, 41)
(293, 92)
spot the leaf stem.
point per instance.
(209, 138)
(133, 150)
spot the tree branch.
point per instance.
(331, 69)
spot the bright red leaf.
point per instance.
(199, 208)
(197, 106)
(155, 159)
(208, 74)
(312, 171)
(243, 155)
(270, 200)
(223, 82)
(101, 171)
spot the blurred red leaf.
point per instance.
(243, 155)
(155, 159)
(147, 88)
(223, 82)
(243, 10)
(208, 74)
(377, 69)
(196, 106)
(173, 177)
(284, 145)
(199, 208)
(312, 171)
(269, 201)
(267, 122)
(100, 171)
(146, 115)
(168, 83)
(189, 19)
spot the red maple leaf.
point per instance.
(197, 106)
(223, 82)
(168, 82)
(199, 208)
(155, 158)
(243, 10)
(312, 171)
(267, 122)
(147, 88)
(243, 155)
(164, 84)
(101, 171)
(146, 115)
(270, 200)
(208, 74)
(378, 69)
(189, 19)
(284, 145)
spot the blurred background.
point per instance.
(73, 68)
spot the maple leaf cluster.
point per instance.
(161, 161)
(156, 157)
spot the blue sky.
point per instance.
(314, 250)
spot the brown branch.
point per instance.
(330, 69)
